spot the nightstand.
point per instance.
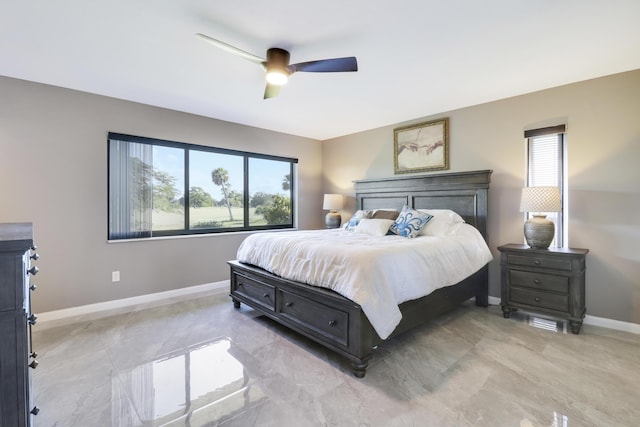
(548, 281)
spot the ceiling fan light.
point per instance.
(277, 77)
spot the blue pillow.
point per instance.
(355, 219)
(410, 222)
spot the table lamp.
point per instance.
(332, 203)
(539, 231)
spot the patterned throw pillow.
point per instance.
(355, 219)
(410, 222)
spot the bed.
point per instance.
(338, 322)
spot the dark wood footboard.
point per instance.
(320, 314)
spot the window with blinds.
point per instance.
(165, 188)
(545, 167)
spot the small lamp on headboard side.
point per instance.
(539, 231)
(332, 203)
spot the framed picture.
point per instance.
(422, 147)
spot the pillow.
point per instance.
(374, 227)
(356, 218)
(440, 224)
(410, 222)
(385, 214)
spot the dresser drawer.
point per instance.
(539, 281)
(539, 261)
(261, 293)
(540, 299)
(327, 321)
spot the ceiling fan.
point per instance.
(278, 68)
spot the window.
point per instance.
(163, 188)
(545, 167)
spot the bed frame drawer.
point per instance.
(256, 291)
(327, 321)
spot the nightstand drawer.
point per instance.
(540, 299)
(540, 261)
(539, 281)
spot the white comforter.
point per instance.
(378, 273)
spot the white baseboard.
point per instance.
(603, 322)
(52, 319)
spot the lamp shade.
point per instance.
(332, 202)
(540, 199)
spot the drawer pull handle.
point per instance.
(536, 281)
(288, 304)
(537, 299)
(33, 270)
(32, 319)
(332, 323)
(265, 295)
(33, 364)
(536, 262)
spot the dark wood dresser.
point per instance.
(549, 281)
(17, 359)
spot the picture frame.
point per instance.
(421, 147)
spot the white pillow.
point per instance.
(374, 227)
(441, 222)
(356, 218)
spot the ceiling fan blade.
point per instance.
(231, 49)
(334, 65)
(271, 91)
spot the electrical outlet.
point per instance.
(115, 276)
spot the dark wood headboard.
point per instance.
(463, 192)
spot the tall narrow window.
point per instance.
(160, 188)
(545, 167)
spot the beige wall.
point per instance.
(603, 137)
(53, 172)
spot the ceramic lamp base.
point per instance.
(333, 219)
(539, 232)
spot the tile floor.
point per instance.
(203, 363)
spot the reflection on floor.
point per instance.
(203, 363)
(182, 389)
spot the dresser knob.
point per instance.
(35, 410)
(537, 299)
(34, 247)
(288, 304)
(32, 319)
(33, 287)
(536, 262)
(536, 281)
(332, 323)
(266, 295)
(33, 355)
(33, 364)
(35, 256)
(33, 270)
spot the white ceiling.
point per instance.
(416, 57)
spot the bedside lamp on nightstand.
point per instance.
(539, 231)
(332, 203)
